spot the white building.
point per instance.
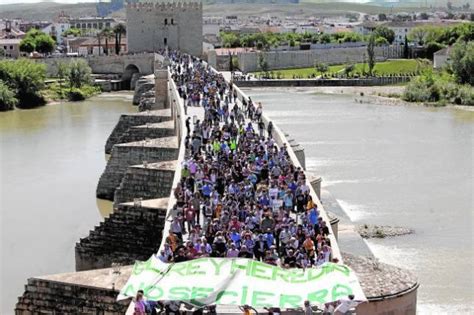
(57, 30)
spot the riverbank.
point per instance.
(380, 95)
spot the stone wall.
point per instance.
(127, 121)
(325, 82)
(43, 296)
(133, 153)
(174, 25)
(147, 131)
(132, 232)
(146, 182)
(248, 61)
(143, 85)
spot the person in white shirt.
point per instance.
(346, 304)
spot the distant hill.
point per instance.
(49, 10)
(45, 10)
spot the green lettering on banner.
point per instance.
(340, 290)
(221, 294)
(217, 264)
(243, 300)
(290, 301)
(179, 293)
(342, 269)
(318, 296)
(297, 276)
(198, 293)
(279, 273)
(259, 270)
(234, 266)
(314, 274)
(193, 267)
(153, 293)
(140, 267)
(258, 299)
(179, 269)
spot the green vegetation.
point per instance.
(119, 31)
(37, 41)
(25, 79)
(268, 40)
(386, 68)
(73, 31)
(22, 83)
(7, 97)
(453, 85)
(77, 76)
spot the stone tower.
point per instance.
(175, 24)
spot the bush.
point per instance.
(26, 78)
(465, 96)
(7, 97)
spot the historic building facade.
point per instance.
(155, 25)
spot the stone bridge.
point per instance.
(128, 67)
(146, 151)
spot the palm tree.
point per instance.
(107, 33)
(119, 30)
(99, 37)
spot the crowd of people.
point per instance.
(240, 194)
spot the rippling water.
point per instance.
(51, 159)
(407, 166)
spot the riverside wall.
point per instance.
(248, 61)
(324, 82)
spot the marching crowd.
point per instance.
(239, 194)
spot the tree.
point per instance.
(99, 38)
(382, 17)
(62, 71)
(7, 97)
(262, 63)
(72, 31)
(449, 5)
(371, 53)
(348, 69)
(27, 45)
(424, 16)
(321, 67)
(79, 73)
(37, 40)
(44, 44)
(406, 51)
(381, 41)
(26, 78)
(325, 39)
(385, 32)
(119, 30)
(107, 33)
(462, 62)
(418, 34)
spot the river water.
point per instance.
(50, 162)
(398, 165)
(408, 166)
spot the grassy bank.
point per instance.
(389, 67)
(58, 92)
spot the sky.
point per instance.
(33, 1)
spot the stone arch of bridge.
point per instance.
(129, 76)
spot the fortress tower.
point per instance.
(176, 24)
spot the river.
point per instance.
(402, 165)
(51, 159)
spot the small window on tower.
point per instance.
(166, 21)
(165, 41)
(172, 21)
